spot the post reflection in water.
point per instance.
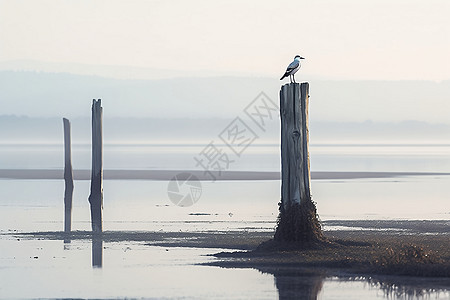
(297, 283)
(411, 288)
(308, 284)
(67, 242)
(97, 251)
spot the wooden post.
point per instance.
(96, 196)
(68, 177)
(298, 220)
(295, 173)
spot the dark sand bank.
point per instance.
(408, 230)
(404, 266)
(55, 174)
(393, 247)
(362, 254)
(348, 252)
(226, 240)
(414, 248)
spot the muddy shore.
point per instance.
(411, 248)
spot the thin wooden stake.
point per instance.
(96, 196)
(68, 177)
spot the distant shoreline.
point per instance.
(165, 175)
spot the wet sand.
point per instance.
(403, 230)
(55, 174)
(365, 247)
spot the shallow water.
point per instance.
(30, 205)
(135, 270)
(44, 269)
(53, 269)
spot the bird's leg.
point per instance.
(293, 77)
(290, 78)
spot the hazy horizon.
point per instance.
(210, 60)
(132, 130)
(202, 59)
(42, 94)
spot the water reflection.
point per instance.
(97, 250)
(398, 287)
(308, 284)
(96, 244)
(67, 244)
(297, 283)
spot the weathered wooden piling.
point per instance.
(68, 177)
(298, 220)
(295, 178)
(96, 196)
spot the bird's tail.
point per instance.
(282, 77)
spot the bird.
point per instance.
(293, 68)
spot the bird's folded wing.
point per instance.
(292, 66)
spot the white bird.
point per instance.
(293, 68)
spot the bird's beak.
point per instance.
(302, 57)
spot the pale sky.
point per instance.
(352, 39)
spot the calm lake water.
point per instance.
(136, 270)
